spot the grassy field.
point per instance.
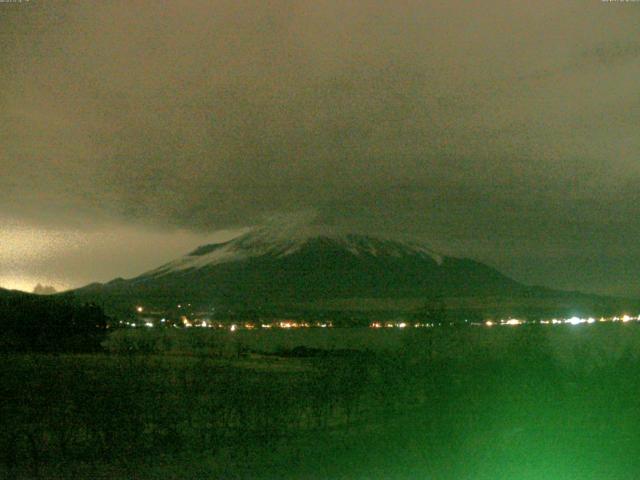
(460, 403)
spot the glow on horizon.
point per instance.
(27, 283)
(26, 248)
(67, 258)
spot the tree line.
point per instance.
(32, 323)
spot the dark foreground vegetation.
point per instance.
(35, 323)
(468, 403)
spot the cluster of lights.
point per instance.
(186, 322)
(284, 324)
(287, 324)
(564, 321)
(399, 325)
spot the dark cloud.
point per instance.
(501, 130)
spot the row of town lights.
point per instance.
(489, 323)
(565, 321)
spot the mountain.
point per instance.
(40, 289)
(266, 267)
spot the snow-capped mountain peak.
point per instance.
(264, 241)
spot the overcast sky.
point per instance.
(507, 131)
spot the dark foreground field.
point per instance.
(469, 403)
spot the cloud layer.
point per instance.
(497, 129)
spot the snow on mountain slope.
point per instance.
(264, 241)
(287, 269)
